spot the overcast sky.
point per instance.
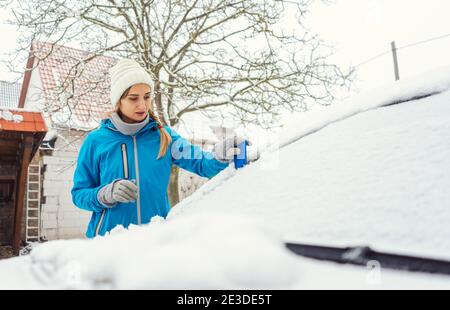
(360, 29)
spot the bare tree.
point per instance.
(217, 57)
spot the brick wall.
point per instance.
(60, 218)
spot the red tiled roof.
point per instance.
(31, 121)
(90, 100)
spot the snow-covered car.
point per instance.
(371, 172)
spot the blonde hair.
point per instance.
(165, 137)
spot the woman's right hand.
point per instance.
(118, 191)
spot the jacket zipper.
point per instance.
(138, 204)
(125, 160)
(136, 164)
(125, 174)
(97, 230)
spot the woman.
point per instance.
(123, 168)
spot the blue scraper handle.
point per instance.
(241, 159)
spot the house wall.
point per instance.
(35, 96)
(60, 218)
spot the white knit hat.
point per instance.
(124, 74)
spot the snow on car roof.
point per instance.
(201, 251)
(346, 178)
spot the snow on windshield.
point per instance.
(378, 178)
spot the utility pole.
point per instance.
(394, 54)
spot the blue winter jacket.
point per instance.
(107, 155)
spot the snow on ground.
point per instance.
(378, 178)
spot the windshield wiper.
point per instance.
(362, 255)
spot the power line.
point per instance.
(424, 41)
(372, 58)
(387, 51)
(403, 47)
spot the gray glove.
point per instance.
(225, 150)
(117, 191)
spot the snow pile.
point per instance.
(17, 118)
(212, 250)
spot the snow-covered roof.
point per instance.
(9, 94)
(90, 91)
(21, 120)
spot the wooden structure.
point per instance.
(21, 133)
